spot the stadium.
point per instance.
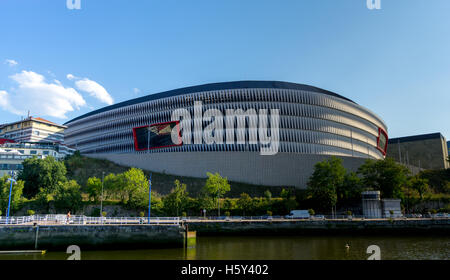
(258, 132)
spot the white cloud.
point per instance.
(136, 91)
(71, 77)
(5, 103)
(40, 97)
(11, 62)
(94, 89)
(4, 99)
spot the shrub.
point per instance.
(67, 196)
(269, 213)
(104, 214)
(227, 213)
(141, 214)
(268, 195)
(95, 212)
(45, 173)
(16, 196)
(30, 212)
(349, 213)
(311, 212)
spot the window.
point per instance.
(22, 152)
(382, 141)
(46, 152)
(33, 152)
(155, 136)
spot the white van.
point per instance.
(298, 214)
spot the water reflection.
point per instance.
(278, 248)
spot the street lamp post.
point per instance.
(101, 198)
(149, 196)
(10, 193)
(218, 203)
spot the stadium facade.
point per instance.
(308, 124)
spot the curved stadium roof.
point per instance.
(212, 87)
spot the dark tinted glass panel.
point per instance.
(382, 141)
(154, 136)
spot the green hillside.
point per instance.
(80, 168)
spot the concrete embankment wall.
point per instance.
(402, 227)
(91, 236)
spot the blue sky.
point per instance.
(394, 61)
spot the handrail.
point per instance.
(60, 219)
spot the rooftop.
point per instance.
(421, 137)
(41, 120)
(212, 87)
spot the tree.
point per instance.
(291, 204)
(156, 204)
(327, 177)
(130, 187)
(45, 200)
(285, 194)
(138, 199)
(134, 185)
(94, 188)
(176, 201)
(351, 187)
(216, 186)
(112, 186)
(205, 202)
(229, 204)
(16, 195)
(67, 196)
(438, 180)
(268, 195)
(43, 174)
(386, 175)
(134, 188)
(420, 185)
(244, 203)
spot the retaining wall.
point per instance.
(400, 226)
(91, 236)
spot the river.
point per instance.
(278, 248)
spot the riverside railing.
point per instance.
(84, 220)
(311, 218)
(60, 219)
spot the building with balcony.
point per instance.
(33, 130)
